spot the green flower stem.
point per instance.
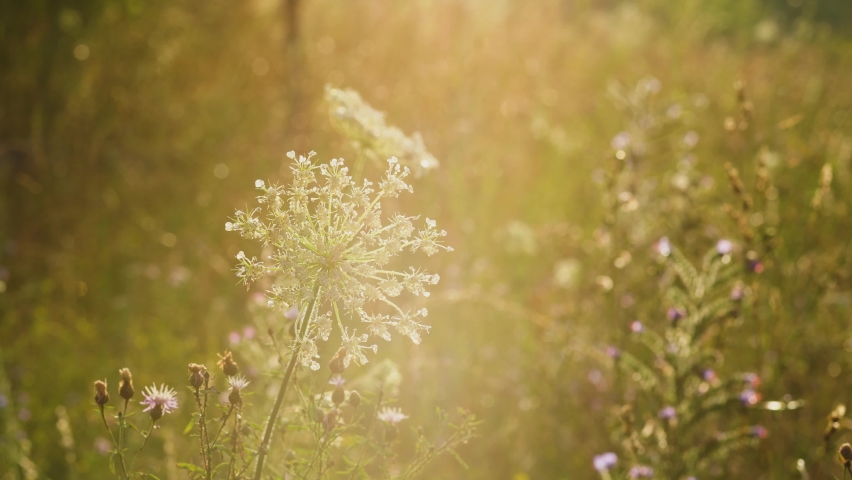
(291, 366)
(115, 444)
(145, 442)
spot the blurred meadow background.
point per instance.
(572, 136)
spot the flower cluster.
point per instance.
(366, 128)
(331, 248)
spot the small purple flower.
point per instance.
(637, 327)
(605, 461)
(640, 471)
(675, 313)
(234, 338)
(667, 413)
(663, 247)
(159, 401)
(724, 247)
(756, 266)
(709, 375)
(758, 431)
(613, 352)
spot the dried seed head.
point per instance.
(338, 395)
(354, 398)
(101, 394)
(336, 364)
(196, 375)
(845, 453)
(228, 365)
(125, 386)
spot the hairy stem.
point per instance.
(282, 390)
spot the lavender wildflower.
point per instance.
(675, 313)
(159, 400)
(605, 461)
(237, 383)
(637, 327)
(667, 413)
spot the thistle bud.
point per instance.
(330, 419)
(101, 394)
(336, 364)
(125, 386)
(157, 412)
(228, 365)
(354, 398)
(234, 397)
(845, 454)
(338, 395)
(196, 375)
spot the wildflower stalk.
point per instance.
(369, 431)
(201, 435)
(224, 421)
(282, 390)
(145, 442)
(234, 438)
(115, 444)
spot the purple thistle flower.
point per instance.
(605, 461)
(640, 471)
(637, 327)
(159, 401)
(724, 247)
(667, 413)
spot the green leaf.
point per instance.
(192, 468)
(458, 458)
(191, 425)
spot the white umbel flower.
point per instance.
(330, 246)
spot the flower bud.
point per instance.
(845, 454)
(234, 397)
(196, 375)
(157, 412)
(101, 394)
(330, 419)
(338, 395)
(125, 386)
(354, 398)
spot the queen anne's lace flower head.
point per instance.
(331, 247)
